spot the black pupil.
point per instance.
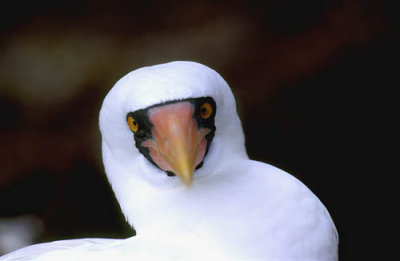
(204, 110)
(134, 122)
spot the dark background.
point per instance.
(309, 77)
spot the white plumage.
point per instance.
(236, 208)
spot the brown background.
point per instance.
(308, 77)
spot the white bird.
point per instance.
(174, 153)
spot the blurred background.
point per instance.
(308, 77)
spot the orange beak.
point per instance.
(177, 145)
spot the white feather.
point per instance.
(237, 208)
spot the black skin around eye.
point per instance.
(209, 122)
(145, 126)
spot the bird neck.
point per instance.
(183, 212)
(159, 209)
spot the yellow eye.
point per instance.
(206, 110)
(133, 124)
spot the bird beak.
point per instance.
(177, 145)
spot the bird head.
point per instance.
(168, 125)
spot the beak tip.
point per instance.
(187, 181)
(186, 178)
(189, 184)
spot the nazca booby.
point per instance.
(173, 151)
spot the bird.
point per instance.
(174, 153)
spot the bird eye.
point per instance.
(206, 110)
(133, 124)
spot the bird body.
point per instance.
(229, 207)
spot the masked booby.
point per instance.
(173, 150)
